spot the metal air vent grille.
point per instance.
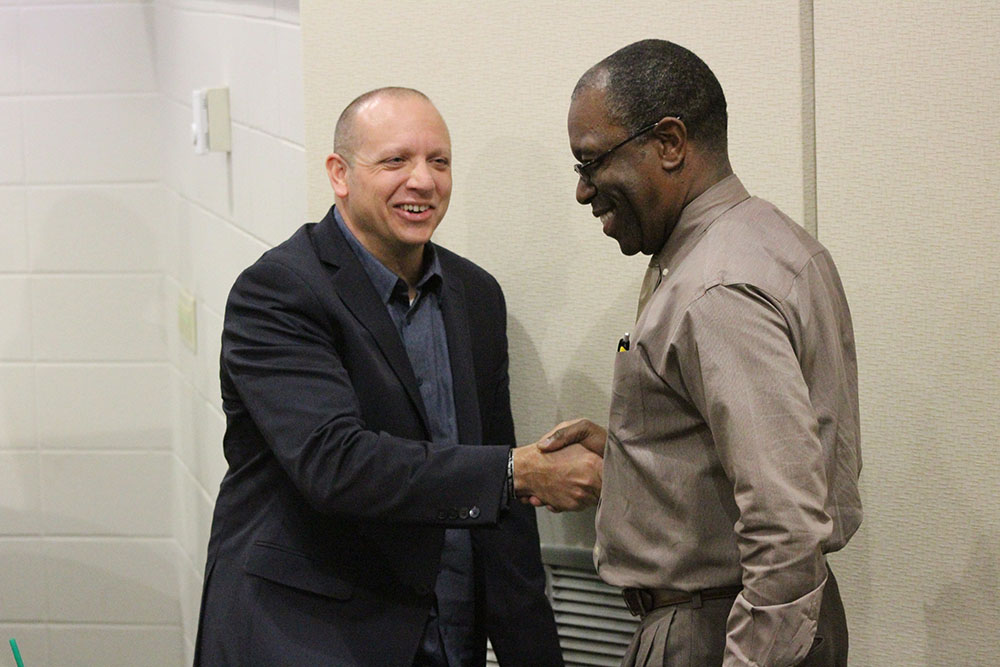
(595, 628)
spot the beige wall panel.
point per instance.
(501, 74)
(907, 140)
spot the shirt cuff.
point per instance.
(776, 635)
(508, 488)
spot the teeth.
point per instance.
(606, 216)
(413, 208)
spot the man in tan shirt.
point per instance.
(733, 451)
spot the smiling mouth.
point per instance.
(414, 208)
(606, 216)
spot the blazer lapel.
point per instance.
(356, 291)
(456, 325)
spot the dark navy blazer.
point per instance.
(329, 523)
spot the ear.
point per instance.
(336, 169)
(673, 144)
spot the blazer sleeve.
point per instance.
(518, 616)
(279, 353)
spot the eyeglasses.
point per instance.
(585, 169)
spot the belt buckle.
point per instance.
(638, 600)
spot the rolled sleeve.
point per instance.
(778, 634)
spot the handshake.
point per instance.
(562, 471)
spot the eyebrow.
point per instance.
(405, 150)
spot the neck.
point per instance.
(409, 268)
(707, 171)
(405, 261)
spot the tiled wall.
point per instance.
(110, 428)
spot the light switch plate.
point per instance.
(211, 125)
(220, 136)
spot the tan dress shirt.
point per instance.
(734, 450)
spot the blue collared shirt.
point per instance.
(421, 328)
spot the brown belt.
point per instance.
(641, 601)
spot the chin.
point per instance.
(627, 248)
(417, 235)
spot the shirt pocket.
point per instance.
(627, 400)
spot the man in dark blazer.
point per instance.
(370, 513)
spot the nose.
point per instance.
(585, 190)
(421, 177)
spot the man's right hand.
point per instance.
(568, 478)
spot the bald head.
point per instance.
(345, 137)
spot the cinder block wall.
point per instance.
(110, 427)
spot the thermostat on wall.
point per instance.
(210, 126)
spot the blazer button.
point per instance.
(473, 512)
(442, 515)
(453, 514)
(422, 589)
(463, 513)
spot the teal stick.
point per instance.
(17, 654)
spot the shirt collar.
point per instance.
(697, 217)
(385, 281)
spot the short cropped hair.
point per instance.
(345, 139)
(653, 78)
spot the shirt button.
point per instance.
(473, 512)
(664, 272)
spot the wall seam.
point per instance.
(808, 55)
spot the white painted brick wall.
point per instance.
(111, 429)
